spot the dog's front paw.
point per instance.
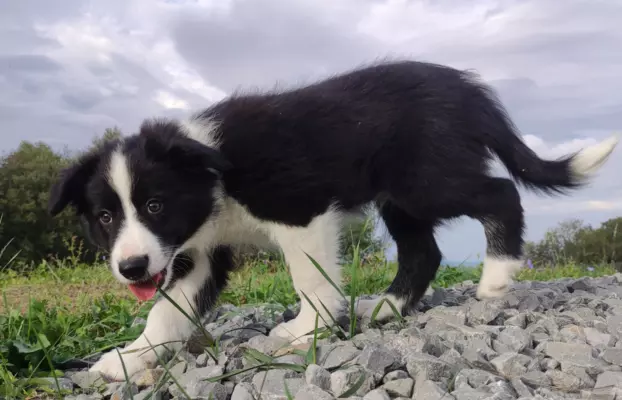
(365, 308)
(293, 331)
(110, 365)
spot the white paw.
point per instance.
(497, 277)
(492, 290)
(110, 364)
(294, 331)
(365, 307)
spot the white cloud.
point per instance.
(169, 100)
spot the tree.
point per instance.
(25, 179)
(574, 241)
(109, 135)
(26, 176)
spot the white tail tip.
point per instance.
(586, 162)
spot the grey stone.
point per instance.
(124, 391)
(519, 320)
(483, 312)
(522, 390)
(454, 315)
(475, 378)
(379, 359)
(515, 338)
(344, 379)
(605, 393)
(614, 325)
(266, 344)
(149, 394)
(536, 379)
(264, 379)
(318, 376)
(410, 340)
(584, 284)
(477, 355)
(177, 370)
(243, 391)
(573, 352)
(336, 356)
(203, 359)
(399, 387)
(454, 358)
(511, 365)
(147, 377)
(201, 390)
(572, 333)
(598, 339)
(470, 394)
(429, 390)
(311, 392)
(609, 378)
(54, 384)
(612, 356)
(502, 390)
(549, 364)
(200, 374)
(566, 381)
(274, 388)
(394, 375)
(424, 366)
(92, 396)
(579, 372)
(377, 394)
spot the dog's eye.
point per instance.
(154, 206)
(105, 218)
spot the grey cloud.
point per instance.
(261, 43)
(27, 63)
(19, 38)
(83, 100)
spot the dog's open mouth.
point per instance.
(145, 290)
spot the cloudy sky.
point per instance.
(71, 68)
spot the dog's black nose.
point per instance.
(134, 268)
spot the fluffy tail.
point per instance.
(524, 165)
(569, 172)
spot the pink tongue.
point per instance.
(145, 290)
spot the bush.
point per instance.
(573, 241)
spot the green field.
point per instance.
(62, 311)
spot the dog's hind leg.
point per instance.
(418, 260)
(498, 207)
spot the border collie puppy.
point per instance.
(283, 168)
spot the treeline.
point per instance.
(573, 241)
(29, 235)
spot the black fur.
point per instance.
(415, 138)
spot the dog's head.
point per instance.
(143, 198)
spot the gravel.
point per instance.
(543, 340)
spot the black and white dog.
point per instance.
(284, 168)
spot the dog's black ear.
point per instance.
(165, 141)
(188, 152)
(70, 185)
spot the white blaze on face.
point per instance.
(133, 238)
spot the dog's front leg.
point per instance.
(320, 241)
(168, 328)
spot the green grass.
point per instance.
(58, 312)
